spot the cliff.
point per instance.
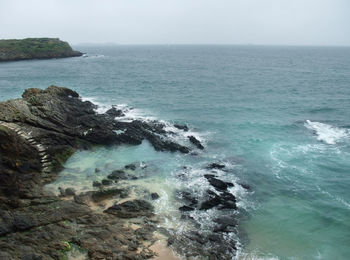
(35, 48)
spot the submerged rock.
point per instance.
(187, 197)
(216, 166)
(131, 166)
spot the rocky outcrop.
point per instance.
(35, 48)
(37, 134)
(52, 123)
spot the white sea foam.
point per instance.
(334, 197)
(93, 56)
(101, 108)
(327, 133)
(255, 256)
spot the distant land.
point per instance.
(35, 48)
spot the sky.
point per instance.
(265, 22)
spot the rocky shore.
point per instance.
(35, 48)
(38, 133)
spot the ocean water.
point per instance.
(278, 117)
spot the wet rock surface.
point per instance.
(215, 236)
(42, 130)
(131, 209)
(38, 133)
(196, 142)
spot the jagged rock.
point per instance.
(196, 142)
(186, 208)
(154, 196)
(181, 127)
(216, 183)
(108, 193)
(106, 182)
(69, 192)
(216, 166)
(60, 123)
(211, 203)
(187, 197)
(225, 224)
(118, 175)
(96, 184)
(223, 200)
(115, 112)
(131, 166)
(245, 186)
(131, 209)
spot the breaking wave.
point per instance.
(327, 133)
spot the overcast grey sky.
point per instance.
(291, 22)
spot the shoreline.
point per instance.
(45, 136)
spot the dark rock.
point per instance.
(119, 175)
(96, 184)
(187, 197)
(196, 142)
(216, 183)
(181, 127)
(131, 166)
(225, 224)
(131, 209)
(62, 191)
(62, 123)
(108, 193)
(23, 222)
(186, 208)
(209, 176)
(106, 182)
(154, 196)
(115, 112)
(215, 238)
(69, 192)
(228, 205)
(32, 257)
(211, 203)
(246, 186)
(224, 200)
(215, 166)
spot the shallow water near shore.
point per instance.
(278, 117)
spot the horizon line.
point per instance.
(210, 44)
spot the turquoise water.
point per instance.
(278, 115)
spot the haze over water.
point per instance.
(278, 115)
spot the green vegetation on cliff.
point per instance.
(35, 48)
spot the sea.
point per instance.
(278, 117)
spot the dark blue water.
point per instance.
(278, 115)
